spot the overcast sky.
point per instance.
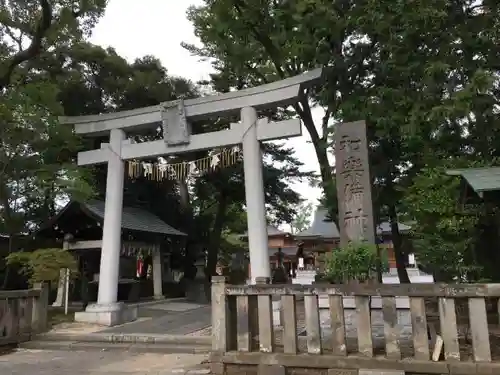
(157, 27)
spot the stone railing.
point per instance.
(23, 313)
(443, 330)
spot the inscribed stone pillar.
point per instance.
(353, 183)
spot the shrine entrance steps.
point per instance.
(169, 326)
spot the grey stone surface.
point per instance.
(175, 306)
(353, 183)
(271, 370)
(36, 362)
(168, 321)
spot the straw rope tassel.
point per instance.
(160, 171)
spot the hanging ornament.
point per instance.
(162, 169)
(172, 173)
(148, 169)
(134, 169)
(234, 154)
(139, 266)
(193, 171)
(214, 162)
(131, 166)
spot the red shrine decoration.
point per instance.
(140, 265)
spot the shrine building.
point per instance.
(145, 242)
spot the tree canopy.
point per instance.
(66, 75)
(423, 75)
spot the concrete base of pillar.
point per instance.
(107, 315)
(159, 298)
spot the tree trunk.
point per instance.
(190, 250)
(33, 49)
(321, 149)
(327, 182)
(5, 283)
(215, 238)
(397, 242)
(7, 213)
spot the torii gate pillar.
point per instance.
(107, 311)
(254, 194)
(111, 235)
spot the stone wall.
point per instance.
(22, 314)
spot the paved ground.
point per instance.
(35, 362)
(169, 317)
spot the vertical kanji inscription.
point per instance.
(353, 183)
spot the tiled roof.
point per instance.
(480, 179)
(288, 250)
(324, 228)
(321, 226)
(385, 228)
(271, 231)
(135, 219)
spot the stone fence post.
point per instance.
(220, 315)
(39, 319)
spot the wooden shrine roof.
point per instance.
(321, 227)
(134, 219)
(271, 231)
(479, 179)
(385, 228)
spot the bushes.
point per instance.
(355, 261)
(44, 265)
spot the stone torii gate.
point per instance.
(175, 117)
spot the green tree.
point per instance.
(209, 207)
(36, 165)
(44, 265)
(418, 74)
(256, 42)
(302, 219)
(355, 261)
(28, 28)
(443, 234)
(72, 77)
(222, 193)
